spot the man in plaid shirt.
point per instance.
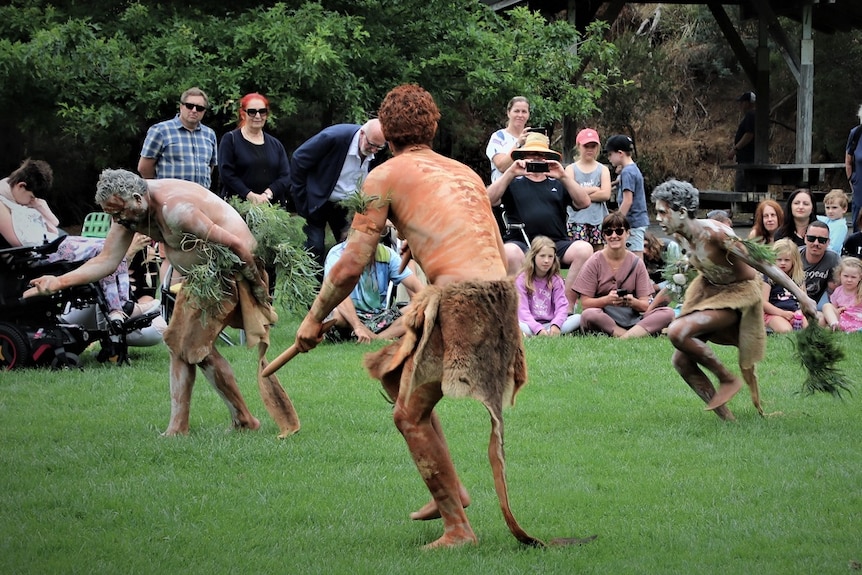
(182, 147)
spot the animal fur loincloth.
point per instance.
(191, 339)
(743, 296)
(464, 336)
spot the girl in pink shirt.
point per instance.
(543, 307)
(844, 310)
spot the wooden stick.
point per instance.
(291, 352)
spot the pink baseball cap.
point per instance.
(586, 136)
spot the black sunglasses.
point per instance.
(818, 239)
(256, 111)
(196, 107)
(614, 231)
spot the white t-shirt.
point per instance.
(501, 142)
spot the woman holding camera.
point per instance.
(614, 288)
(512, 137)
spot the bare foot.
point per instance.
(288, 433)
(430, 511)
(170, 432)
(454, 539)
(252, 424)
(725, 393)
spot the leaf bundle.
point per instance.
(819, 352)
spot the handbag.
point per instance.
(624, 316)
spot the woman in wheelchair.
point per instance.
(26, 220)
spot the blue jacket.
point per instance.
(316, 165)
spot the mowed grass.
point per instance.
(605, 439)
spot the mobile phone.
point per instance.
(538, 167)
(539, 129)
(622, 292)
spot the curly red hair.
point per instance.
(408, 116)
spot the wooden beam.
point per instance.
(733, 39)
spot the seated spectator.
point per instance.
(818, 262)
(536, 191)
(799, 211)
(835, 205)
(720, 216)
(844, 310)
(615, 289)
(768, 218)
(543, 308)
(26, 220)
(781, 312)
(658, 253)
(366, 315)
(853, 243)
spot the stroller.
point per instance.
(33, 331)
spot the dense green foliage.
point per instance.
(85, 86)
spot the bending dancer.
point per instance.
(171, 211)
(462, 334)
(723, 304)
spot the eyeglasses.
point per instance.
(614, 231)
(256, 111)
(372, 144)
(195, 107)
(818, 239)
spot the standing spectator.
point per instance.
(503, 142)
(326, 169)
(835, 206)
(253, 164)
(181, 148)
(818, 262)
(781, 311)
(768, 218)
(743, 141)
(615, 288)
(539, 199)
(853, 167)
(631, 195)
(542, 304)
(798, 214)
(853, 243)
(586, 224)
(844, 310)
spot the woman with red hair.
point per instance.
(768, 218)
(253, 164)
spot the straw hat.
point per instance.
(536, 143)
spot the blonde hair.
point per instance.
(850, 262)
(786, 246)
(837, 196)
(529, 269)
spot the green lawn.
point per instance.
(606, 439)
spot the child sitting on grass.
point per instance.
(780, 308)
(543, 307)
(844, 310)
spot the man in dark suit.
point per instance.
(326, 169)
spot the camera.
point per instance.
(623, 292)
(538, 167)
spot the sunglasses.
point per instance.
(614, 231)
(818, 239)
(195, 107)
(256, 111)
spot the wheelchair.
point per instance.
(33, 332)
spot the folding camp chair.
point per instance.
(96, 225)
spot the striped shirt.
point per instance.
(182, 153)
